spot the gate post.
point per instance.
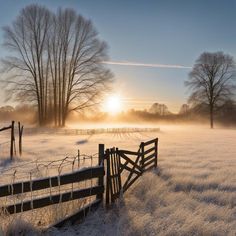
(108, 177)
(156, 152)
(142, 156)
(20, 128)
(12, 139)
(101, 148)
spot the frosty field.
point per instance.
(192, 193)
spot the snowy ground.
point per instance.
(193, 193)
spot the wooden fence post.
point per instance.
(12, 139)
(20, 128)
(101, 148)
(108, 177)
(156, 152)
(119, 171)
(142, 157)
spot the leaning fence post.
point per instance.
(12, 139)
(101, 149)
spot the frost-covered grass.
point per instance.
(192, 193)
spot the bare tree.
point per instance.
(56, 62)
(26, 40)
(75, 59)
(212, 81)
(184, 109)
(160, 109)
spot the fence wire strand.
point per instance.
(29, 171)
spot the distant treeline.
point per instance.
(226, 114)
(24, 113)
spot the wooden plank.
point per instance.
(132, 162)
(115, 196)
(133, 170)
(122, 166)
(149, 150)
(156, 152)
(116, 173)
(78, 176)
(116, 183)
(114, 176)
(142, 154)
(113, 173)
(119, 171)
(126, 152)
(78, 216)
(148, 158)
(12, 139)
(148, 163)
(110, 180)
(20, 130)
(108, 185)
(150, 167)
(101, 150)
(113, 183)
(5, 128)
(54, 199)
(130, 183)
(149, 142)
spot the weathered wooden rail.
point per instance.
(133, 163)
(123, 168)
(45, 183)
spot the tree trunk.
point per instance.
(211, 117)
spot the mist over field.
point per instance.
(193, 191)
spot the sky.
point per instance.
(152, 44)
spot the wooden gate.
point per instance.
(125, 167)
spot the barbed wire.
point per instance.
(46, 168)
(38, 168)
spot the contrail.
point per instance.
(128, 63)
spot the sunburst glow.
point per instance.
(113, 104)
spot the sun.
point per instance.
(113, 104)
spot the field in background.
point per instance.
(193, 193)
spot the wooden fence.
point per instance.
(133, 163)
(117, 162)
(12, 138)
(59, 131)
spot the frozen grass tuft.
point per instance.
(20, 227)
